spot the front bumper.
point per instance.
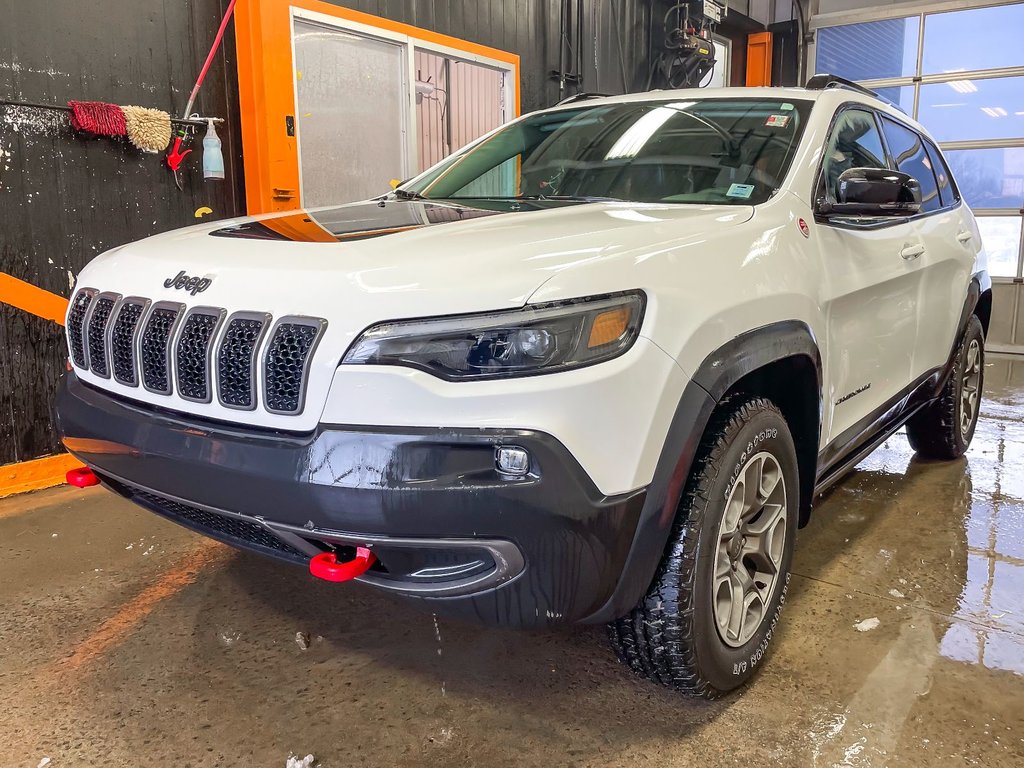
(446, 527)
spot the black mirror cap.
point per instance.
(874, 192)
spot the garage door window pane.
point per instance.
(974, 109)
(1001, 237)
(868, 51)
(980, 38)
(989, 178)
(901, 95)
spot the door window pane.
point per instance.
(352, 98)
(909, 153)
(989, 178)
(979, 38)
(973, 109)
(948, 192)
(855, 143)
(1001, 238)
(868, 51)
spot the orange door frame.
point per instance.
(266, 90)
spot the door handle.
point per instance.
(912, 251)
(964, 237)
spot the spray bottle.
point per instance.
(213, 158)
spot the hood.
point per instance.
(361, 264)
(393, 259)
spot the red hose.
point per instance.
(209, 58)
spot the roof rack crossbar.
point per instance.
(825, 81)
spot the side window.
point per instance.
(854, 143)
(910, 156)
(947, 186)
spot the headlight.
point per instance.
(542, 338)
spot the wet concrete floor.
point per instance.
(126, 640)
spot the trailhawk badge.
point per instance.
(193, 285)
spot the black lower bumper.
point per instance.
(445, 525)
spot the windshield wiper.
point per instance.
(405, 194)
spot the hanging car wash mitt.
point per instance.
(97, 117)
(148, 129)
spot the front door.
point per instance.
(871, 292)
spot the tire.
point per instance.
(944, 429)
(673, 636)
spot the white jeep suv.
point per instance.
(594, 367)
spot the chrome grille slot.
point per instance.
(76, 325)
(155, 347)
(122, 341)
(236, 360)
(287, 360)
(96, 334)
(192, 353)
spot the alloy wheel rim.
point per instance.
(970, 387)
(750, 546)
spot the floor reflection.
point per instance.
(988, 623)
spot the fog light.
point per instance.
(512, 460)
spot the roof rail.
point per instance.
(582, 96)
(824, 82)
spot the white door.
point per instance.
(871, 292)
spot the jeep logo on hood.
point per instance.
(193, 285)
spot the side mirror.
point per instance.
(873, 192)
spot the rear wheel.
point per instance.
(708, 619)
(944, 429)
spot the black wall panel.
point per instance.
(615, 35)
(64, 199)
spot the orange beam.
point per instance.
(33, 475)
(35, 300)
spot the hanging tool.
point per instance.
(176, 155)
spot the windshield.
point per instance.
(722, 151)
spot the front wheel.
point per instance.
(944, 429)
(709, 616)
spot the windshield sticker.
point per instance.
(777, 121)
(787, 107)
(740, 190)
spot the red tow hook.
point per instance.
(81, 477)
(326, 566)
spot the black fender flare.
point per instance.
(719, 371)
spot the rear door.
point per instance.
(947, 232)
(871, 295)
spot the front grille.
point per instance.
(236, 359)
(220, 526)
(192, 355)
(122, 342)
(76, 323)
(96, 336)
(156, 341)
(287, 362)
(135, 343)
